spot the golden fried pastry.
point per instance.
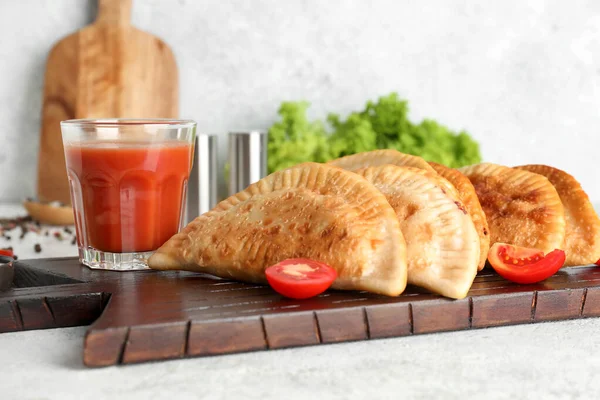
(522, 208)
(446, 186)
(441, 242)
(383, 157)
(467, 195)
(311, 210)
(380, 157)
(582, 238)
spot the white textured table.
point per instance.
(559, 360)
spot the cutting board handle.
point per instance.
(114, 12)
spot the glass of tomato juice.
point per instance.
(128, 180)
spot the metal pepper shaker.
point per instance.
(247, 159)
(202, 185)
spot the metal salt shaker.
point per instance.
(202, 185)
(247, 159)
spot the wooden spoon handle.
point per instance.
(114, 12)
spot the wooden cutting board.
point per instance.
(106, 70)
(150, 315)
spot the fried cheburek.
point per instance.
(315, 211)
(376, 158)
(522, 208)
(441, 241)
(468, 196)
(380, 157)
(582, 238)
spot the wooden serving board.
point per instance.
(108, 69)
(150, 315)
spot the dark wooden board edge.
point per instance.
(126, 345)
(43, 298)
(56, 311)
(111, 342)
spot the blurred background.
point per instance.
(522, 77)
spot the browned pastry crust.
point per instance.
(582, 239)
(311, 210)
(441, 241)
(522, 208)
(380, 157)
(467, 195)
(384, 157)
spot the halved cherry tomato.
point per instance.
(523, 265)
(300, 278)
(598, 262)
(7, 252)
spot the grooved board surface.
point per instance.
(150, 315)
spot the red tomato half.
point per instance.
(523, 265)
(300, 278)
(6, 252)
(598, 262)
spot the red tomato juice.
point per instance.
(128, 197)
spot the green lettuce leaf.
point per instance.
(380, 125)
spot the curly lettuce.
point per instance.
(380, 125)
(295, 139)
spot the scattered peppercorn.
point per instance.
(25, 225)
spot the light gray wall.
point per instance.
(522, 76)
